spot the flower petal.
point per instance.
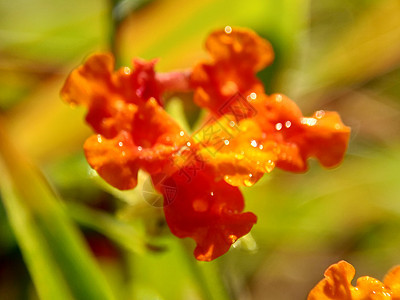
(322, 136)
(208, 211)
(111, 96)
(114, 163)
(234, 151)
(240, 46)
(392, 281)
(117, 160)
(237, 56)
(336, 285)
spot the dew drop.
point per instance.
(278, 98)
(233, 238)
(226, 142)
(139, 148)
(120, 144)
(254, 143)
(288, 124)
(99, 139)
(227, 179)
(212, 193)
(232, 123)
(261, 147)
(253, 96)
(319, 114)
(127, 70)
(188, 144)
(278, 126)
(269, 166)
(248, 182)
(309, 121)
(228, 29)
(182, 133)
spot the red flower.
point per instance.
(206, 210)
(248, 134)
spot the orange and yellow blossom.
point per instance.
(337, 285)
(247, 135)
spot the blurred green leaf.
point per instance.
(56, 255)
(121, 233)
(369, 48)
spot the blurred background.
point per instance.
(65, 234)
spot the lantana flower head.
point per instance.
(246, 134)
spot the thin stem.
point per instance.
(207, 277)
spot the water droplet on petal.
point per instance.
(120, 144)
(233, 238)
(288, 124)
(99, 139)
(319, 114)
(269, 166)
(226, 142)
(254, 143)
(139, 148)
(228, 29)
(249, 181)
(182, 133)
(278, 126)
(227, 179)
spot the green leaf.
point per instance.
(55, 252)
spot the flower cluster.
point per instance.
(337, 285)
(246, 134)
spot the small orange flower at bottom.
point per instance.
(337, 285)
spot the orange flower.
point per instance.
(337, 285)
(133, 130)
(248, 134)
(236, 56)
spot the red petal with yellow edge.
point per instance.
(208, 211)
(392, 281)
(236, 57)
